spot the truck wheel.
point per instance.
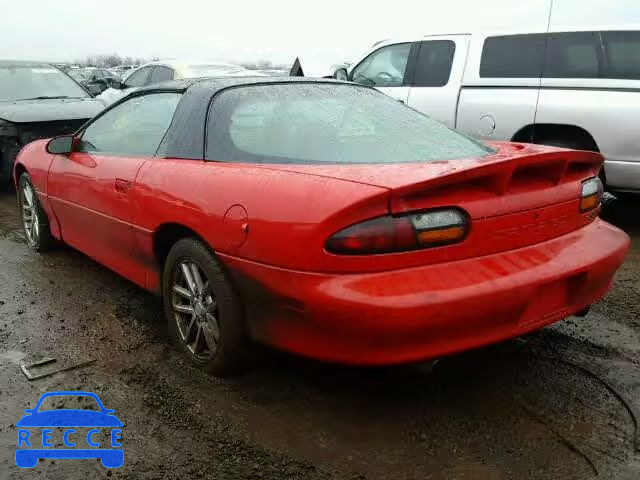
(204, 313)
(34, 220)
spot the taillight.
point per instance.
(397, 234)
(592, 192)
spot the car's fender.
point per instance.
(36, 161)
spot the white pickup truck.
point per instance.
(578, 89)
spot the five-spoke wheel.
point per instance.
(204, 313)
(34, 221)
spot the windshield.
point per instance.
(27, 82)
(327, 123)
(192, 71)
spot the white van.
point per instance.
(578, 88)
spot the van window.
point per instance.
(622, 50)
(573, 55)
(433, 67)
(513, 56)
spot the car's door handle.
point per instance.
(123, 186)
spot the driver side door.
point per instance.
(389, 69)
(91, 188)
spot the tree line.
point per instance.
(114, 59)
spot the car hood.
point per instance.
(69, 418)
(30, 111)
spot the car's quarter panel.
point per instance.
(289, 214)
(90, 196)
(36, 161)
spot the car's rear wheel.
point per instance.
(204, 313)
(34, 220)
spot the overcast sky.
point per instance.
(277, 30)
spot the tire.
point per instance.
(34, 220)
(216, 315)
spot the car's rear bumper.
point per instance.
(622, 176)
(423, 312)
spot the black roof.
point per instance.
(186, 135)
(214, 84)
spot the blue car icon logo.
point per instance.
(73, 426)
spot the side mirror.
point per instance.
(117, 84)
(341, 74)
(62, 145)
(29, 410)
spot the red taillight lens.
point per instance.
(396, 234)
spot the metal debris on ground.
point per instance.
(46, 361)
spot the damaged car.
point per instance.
(38, 101)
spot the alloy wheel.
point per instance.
(30, 214)
(195, 310)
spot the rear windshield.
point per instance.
(327, 123)
(25, 83)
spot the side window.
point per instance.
(573, 55)
(135, 127)
(513, 56)
(138, 78)
(385, 67)
(622, 51)
(161, 74)
(433, 67)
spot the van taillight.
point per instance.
(403, 233)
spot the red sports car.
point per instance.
(322, 218)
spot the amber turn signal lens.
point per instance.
(589, 203)
(445, 235)
(592, 192)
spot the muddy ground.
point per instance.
(560, 404)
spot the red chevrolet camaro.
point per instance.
(322, 218)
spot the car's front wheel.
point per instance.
(34, 220)
(204, 313)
